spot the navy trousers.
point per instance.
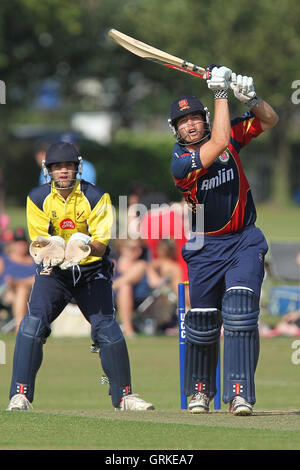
(53, 289)
(225, 261)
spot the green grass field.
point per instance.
(73, 411)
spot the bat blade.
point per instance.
(148, 52)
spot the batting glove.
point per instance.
(219, 78)
(48, 250)
(243, 89)
(77, 249)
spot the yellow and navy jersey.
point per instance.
(223, 188)
(87, 210)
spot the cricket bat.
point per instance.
(145, 51)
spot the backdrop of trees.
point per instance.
(65, 43)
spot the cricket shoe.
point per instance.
(199, 403)
(134, 402)
(240, 407)
(19, 402)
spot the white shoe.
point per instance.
(133, 402)
(240, 407)
(19, 402)
(199, 403)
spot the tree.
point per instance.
(258, 38)
(68, 41)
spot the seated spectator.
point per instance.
(289, 325)
(17, 270)
(165, 267)
(130, 283)
(165, 271)
(165, 222)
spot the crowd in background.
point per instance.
(17, 270)
(138, 273)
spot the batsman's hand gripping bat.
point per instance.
(151, 53)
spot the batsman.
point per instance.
(70, 223)
(225, 255)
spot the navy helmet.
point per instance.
(184, 105)
(62, 152)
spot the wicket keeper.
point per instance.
(69, 223)
(226, 274)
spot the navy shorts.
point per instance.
(225, 261)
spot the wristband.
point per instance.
(253, 102)
(220, 95)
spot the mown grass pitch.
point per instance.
(73, 411)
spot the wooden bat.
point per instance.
(151, 53)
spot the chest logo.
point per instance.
(79, 215)
(224, 157)
(67, 224)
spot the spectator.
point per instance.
(6, 234)
(130, 283)
(165, 271)
(17, 270)
(166, 222)
(88, 169)
(165, 268)
(289, 325)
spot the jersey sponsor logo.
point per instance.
(222, 177)
(224, 157)
(67, 224)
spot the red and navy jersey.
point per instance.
(223, 188)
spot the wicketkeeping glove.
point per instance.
(219, 78)
(243, 89)
(48, 250)
(76, 250)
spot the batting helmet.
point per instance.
(186, 105)
(62, 152)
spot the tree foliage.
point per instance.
(67, 41)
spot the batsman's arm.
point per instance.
(266, 114)
(220, 134)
